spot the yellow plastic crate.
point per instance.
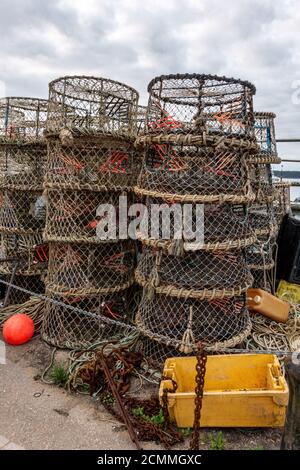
(240, 390)
(288, 291)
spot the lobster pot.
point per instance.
(22, 165)
(261, 183)
(263, 279)
(182, 322)
(199, 274)
(195, 173)
(260, 256)
(22, 212)
(91, 163)
(85, 216)
(74, 321)
(264, 128)
(193, 103)
(26, 285)
(282, 205)
(86, 269)
(209, 227)
(89, 105)
(22, 120)
(262, 220)
(24, 254)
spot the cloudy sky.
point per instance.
(134, 40)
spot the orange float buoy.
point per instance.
(18, 329)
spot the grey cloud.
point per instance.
(235, 41)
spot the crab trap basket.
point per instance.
(73, 216)
(22, 212)
(260, 256)
(22, 167)
(200, 275)
(212, 227)
(262, 219)
(22, 120)
(261, 182)
(195, 173)
(79, 321)
(92, 165)
(90, 269)
(89, 106)
(282, 205)
(265, 136)
(205, 107)
(24, 254)
(181, 323)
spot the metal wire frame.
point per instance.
(197, 103)
(91, 106)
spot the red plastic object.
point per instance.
(18, 329)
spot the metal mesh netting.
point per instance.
(28, 253)
(194, 173)
(181, 323)
(225, 226)
(72, 215)
(22, 212)
(197, 103)
(198, 274)
(84, 269)
(265, 136)
(92, 105)
(282, 204)
(77, 328)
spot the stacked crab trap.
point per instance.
(90, 132)
(23, 154)
(197, 143)
(262, 216)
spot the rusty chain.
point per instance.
(200, 377)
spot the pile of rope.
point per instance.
(268, 335)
